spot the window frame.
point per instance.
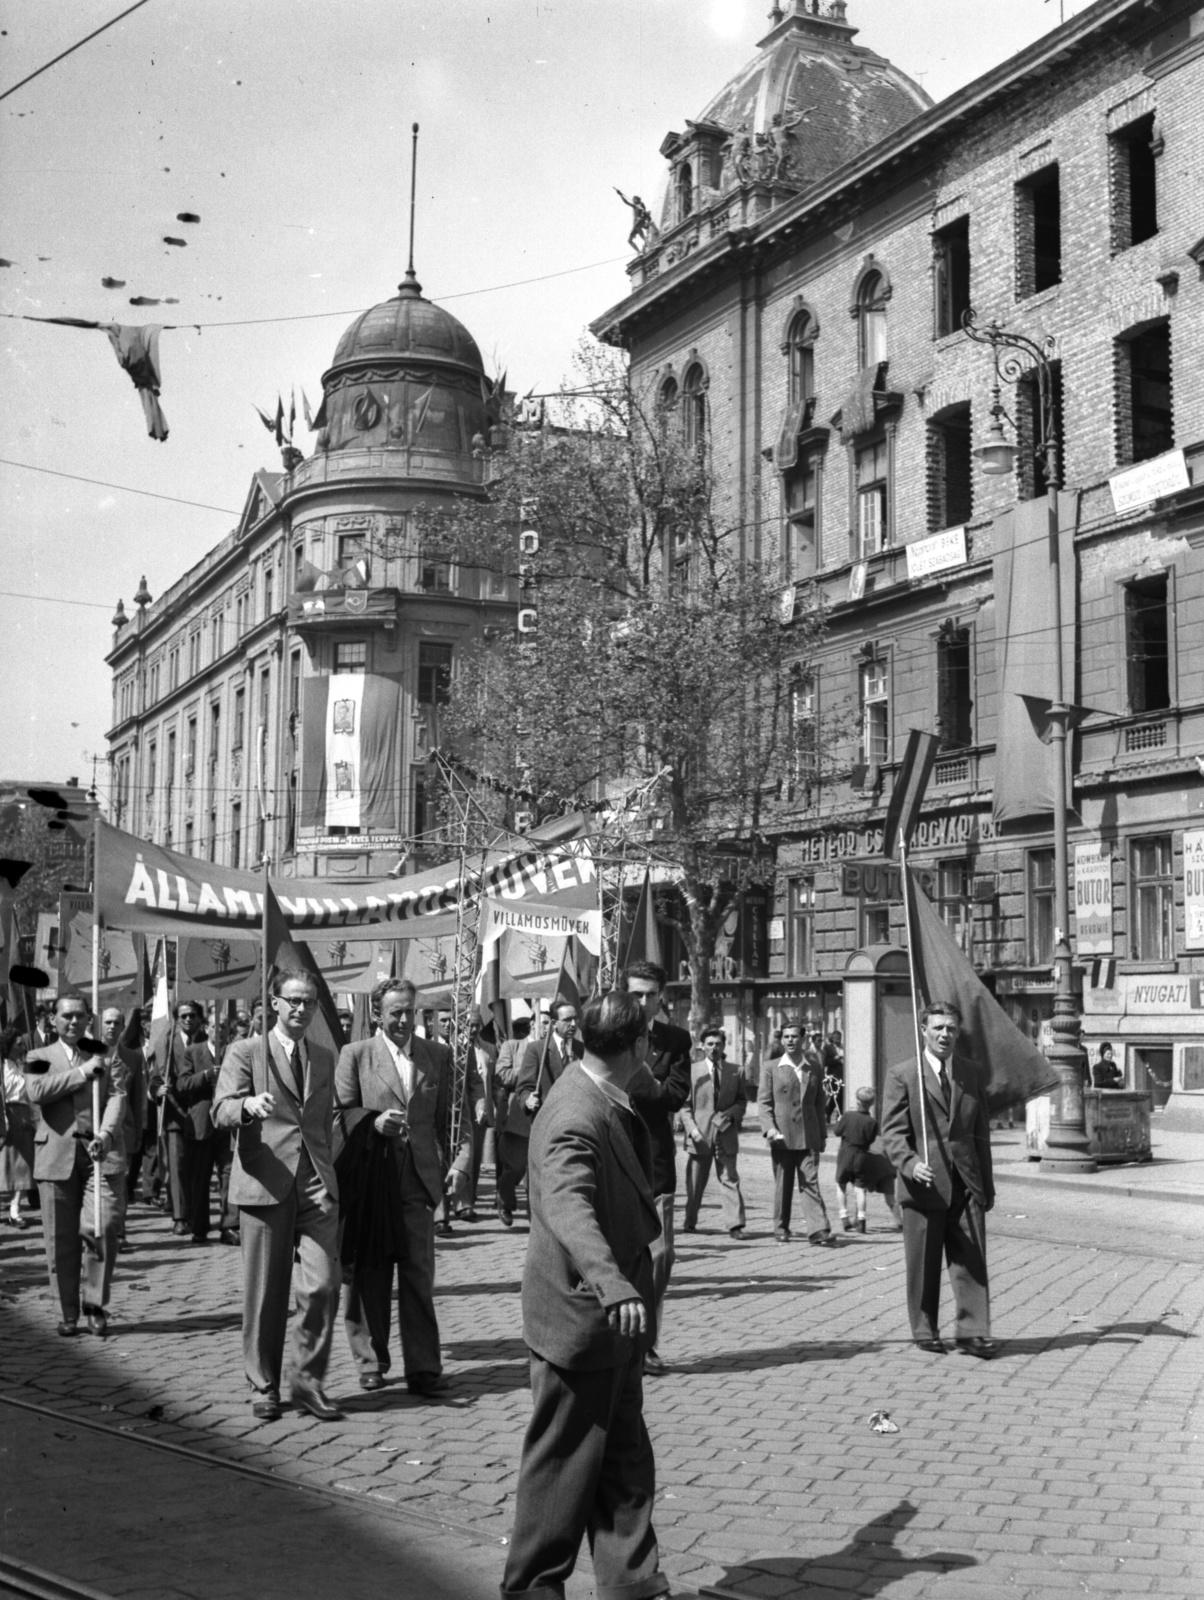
(433, 682)
(1162, 885)
(879, 664)
(951, 275)
(876, 489)
(800, 925)
(1034, 274)
(1040, 907)
(1123, 142)
(357, 667)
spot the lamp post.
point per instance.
(1066, 1144)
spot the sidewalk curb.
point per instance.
(1135, 1191)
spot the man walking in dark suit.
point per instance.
(658, 1094)
(712, 1117)
(511, 1143)
(279, 1095)
(540, 1063)
(181, 1122)
(947, 1184)
(67, 1147)
(394, 1078)
(791, 1106)
(587, 1466)
(212, 1148)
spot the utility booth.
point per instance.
(879, 1028)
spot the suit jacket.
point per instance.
(540, 1065)
(959, 1134)
(267, 1151)
(700, 1110)
(135, 1096)
(796, 1111)
(505, 1076)
(63, 1098)
(487, 1054)
(179, 1068)
(592, 1221)
(659, 1094)
(367, 1083)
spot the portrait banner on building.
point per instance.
(1093, 900)
(1193, 890)
(350, 752)
(145, 888)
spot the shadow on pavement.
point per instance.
(725, 1289)
(868, 1564)
(780, 1355)
(216, 1322)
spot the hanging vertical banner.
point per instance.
(1092, 900)
(1193, 890)
(350, 752)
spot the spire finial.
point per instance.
(410, 284)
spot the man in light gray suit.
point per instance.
(589, 1316)
(791, 1104)
(711, 1118)
(279, 1096)
(67, 1147)
(395, 1078)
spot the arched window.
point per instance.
(666, 401)
(685, 191)
(800, 353)
(873, 291)
(694, 412)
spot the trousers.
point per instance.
(957, 1233)
(587, 1469)
(306, 1221)
(801, 1167)
(68, 1228)
(698, 1171)
(663, 1257)
(367, 1299)
(512, 1168)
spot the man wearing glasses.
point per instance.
(943, 1158)
(279, 1096)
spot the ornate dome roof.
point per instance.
(407, 327)
(408, 377)
(809, 101)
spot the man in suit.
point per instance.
(711, 1118)
(511, 1143)
(211, 1148)
(112, 1029)
(658, 1094)
(183, 1123)
(587, 1466)
(541, 1063)
(482, 1058)
(790, 1102)
(394, 1078)
(67, 1145)
(279, 1096)
(947, 1185)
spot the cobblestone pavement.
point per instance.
(1070, 1464)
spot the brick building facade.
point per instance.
(824, 231)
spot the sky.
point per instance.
(284, 125)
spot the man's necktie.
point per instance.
(294, 1062)
(944, 1082)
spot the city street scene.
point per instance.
(602, 801)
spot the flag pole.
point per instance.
(263, 985)
(915, 992)
(96, 1164)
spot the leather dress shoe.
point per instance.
(180, 1230)
(444, 1228)
(781, 1236)
(98, 1323)
(467, 1216)
(227, 1236)
(372, 1381)
(311, 1399)
(653, 1365)
(984, 1349)
(426, 1383)
(199, 1238)
(737, 1233)
(506, 1218)
(823, 1241)
(267, 1407)
(934, 1347)
(68, 1329)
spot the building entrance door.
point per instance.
(1154, 1072)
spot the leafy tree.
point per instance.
(659, 653)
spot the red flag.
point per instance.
(1017, 1070)
(907, 796)
(287, 954)
(643, 940)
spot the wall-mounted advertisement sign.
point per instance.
(1093, 900)
(1193, 890)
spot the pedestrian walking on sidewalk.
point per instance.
(279, 1096)
(587, 1467)
(791, 1106)
(941, 1150)
(712, 1118)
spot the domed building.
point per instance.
(283, 696)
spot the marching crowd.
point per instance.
(333, 1177)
